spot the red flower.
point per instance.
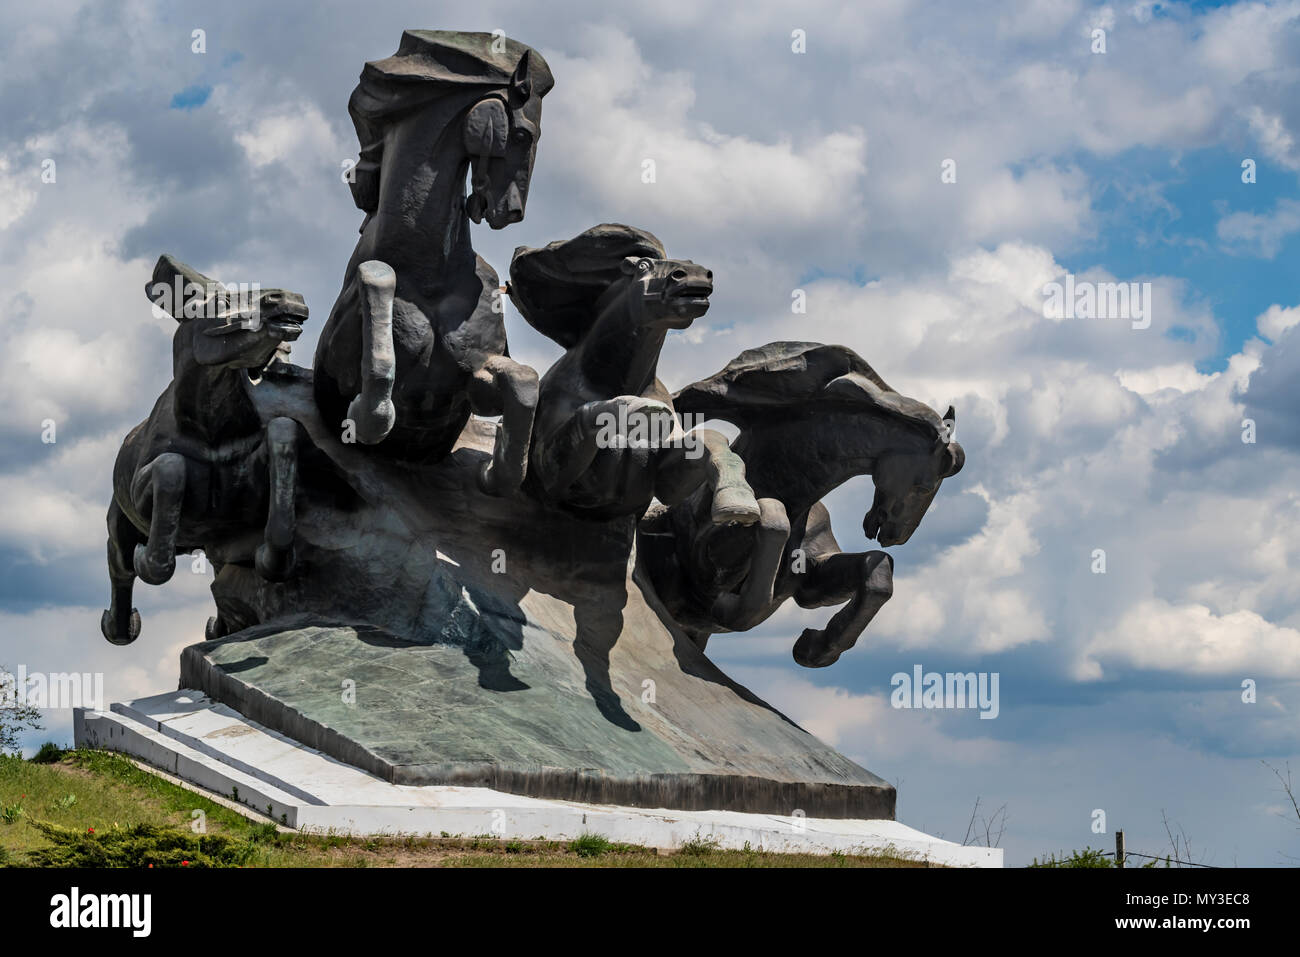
(90, 830)
(185, 863)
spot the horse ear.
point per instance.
(486, 126)
(520, 83)
(949, 425)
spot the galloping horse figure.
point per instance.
(606, 439)
(204, 467)
(810, 417)
(416, 339)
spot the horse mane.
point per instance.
(429, 64)
(555, 288)
(801, 376)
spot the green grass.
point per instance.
(97, 809)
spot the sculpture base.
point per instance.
(209, 746)
(662, 728)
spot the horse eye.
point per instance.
(678, 275)
(521, 136)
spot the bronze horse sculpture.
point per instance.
(606, 440)
(810, 417)
(204, 466)
(521, 606)
(416, 339)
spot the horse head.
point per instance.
(483, 89)
(906, 482)
(500, 137)
(564, 288)
(812, 416)
(242, 327)
(669, 293)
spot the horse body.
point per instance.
(811, 417)
(204, 468)
(606, 439)
(613, 365)
(443, 331)
(416, 340)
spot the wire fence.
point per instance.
(1122, 854)
(1158, 857)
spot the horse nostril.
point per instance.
(709, 275)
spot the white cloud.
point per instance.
(1277, 142)
(297, 131)
(1260, 234)
(1275, 320)
(17, 191)
(1190, 639)
(628, 114)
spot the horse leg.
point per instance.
(216, 626)
(742, 611)
(275, 557)
(864, 579)
(159, 488)
(120, 623)
(569, 452)
(372, 410)
(509, 389)
(706, 457)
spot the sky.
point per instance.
(780, 170)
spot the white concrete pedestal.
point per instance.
(215, 748)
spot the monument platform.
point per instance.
(214, 748)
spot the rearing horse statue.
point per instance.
(607, 440)
(416, 339)
(204, 469)
(810, 417)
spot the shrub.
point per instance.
(49, 753)
(590, 845)
(1085, 858)
(141, 845)
(699, 846)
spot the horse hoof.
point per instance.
(215, 628)
(372, 423)
(274, 564)
(149, 571)
(812, 651)
(734, 506)
(108, 625)
(646, 423)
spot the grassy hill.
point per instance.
(98, 809)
